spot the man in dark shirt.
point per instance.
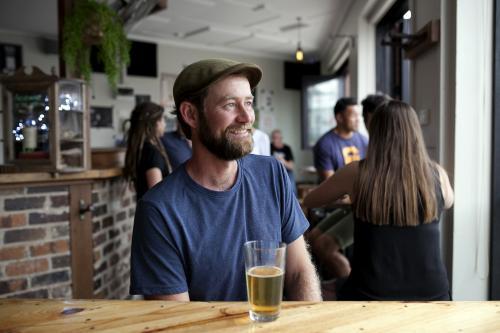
(177, 146)
(283, 153)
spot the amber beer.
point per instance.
(265, 268)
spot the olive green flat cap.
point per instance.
(199, 75)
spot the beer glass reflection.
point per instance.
(265, 271)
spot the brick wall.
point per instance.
(34, 242)
(113, 217)
(35, 258)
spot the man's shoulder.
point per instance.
(263, 167)
(326, 139)
(360, 137)
(167, 188)
(169, 136)
(252, 161)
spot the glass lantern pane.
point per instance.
(70, 107)
(30, 125)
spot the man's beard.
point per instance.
(223, 147)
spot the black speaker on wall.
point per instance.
(143, 60)
(294, 71)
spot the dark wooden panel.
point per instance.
(82, 269)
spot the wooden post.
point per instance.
(64, 8)
(82, 254)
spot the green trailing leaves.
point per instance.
(95, 23)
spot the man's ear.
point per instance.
(339, 118)
(189, 114)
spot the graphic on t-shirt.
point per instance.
(350, 154)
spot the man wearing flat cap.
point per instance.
(189, 230)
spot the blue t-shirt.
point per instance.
(187, 238)
(332, 152)
(177, 148)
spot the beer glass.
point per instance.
(265, 272)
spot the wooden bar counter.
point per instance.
(53, 316)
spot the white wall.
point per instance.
(171, 60)
(473, 143)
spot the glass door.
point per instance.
(319, 95)
(71, 111)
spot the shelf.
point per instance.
(71, 140)
(66, 169)
(72, 111)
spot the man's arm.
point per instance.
(301, 280)
(324, 174)
(183, 297)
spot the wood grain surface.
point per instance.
(156, 316)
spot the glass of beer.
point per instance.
(265, 272)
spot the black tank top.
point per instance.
(398, 263)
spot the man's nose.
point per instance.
(245, 114)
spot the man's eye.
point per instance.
(229, 105)
(249, 103)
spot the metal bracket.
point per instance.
(84, 208)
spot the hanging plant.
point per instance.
(93, 23)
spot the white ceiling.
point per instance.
(266, 28)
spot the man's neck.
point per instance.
(210, 171)
(343, 133)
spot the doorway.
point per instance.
(392, 70)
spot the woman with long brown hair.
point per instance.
(397, 195)
(146, 162)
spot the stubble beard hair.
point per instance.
(223, 147)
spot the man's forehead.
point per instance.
(231, 89)
(354, 108)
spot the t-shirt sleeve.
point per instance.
(151, 158)
(322, 158)
(156, 263)
(293, 223)
(288, 153)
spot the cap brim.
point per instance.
(252, 72)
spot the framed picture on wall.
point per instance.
(10, 58)
(101, 116)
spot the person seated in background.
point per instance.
(397, 196)
(283, 153)
(332, 235)
(370, 104)
(177, 146)
(146, 162)
(342, 144)
(261, 143)
(189, 231)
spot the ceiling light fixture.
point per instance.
(299, 54)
